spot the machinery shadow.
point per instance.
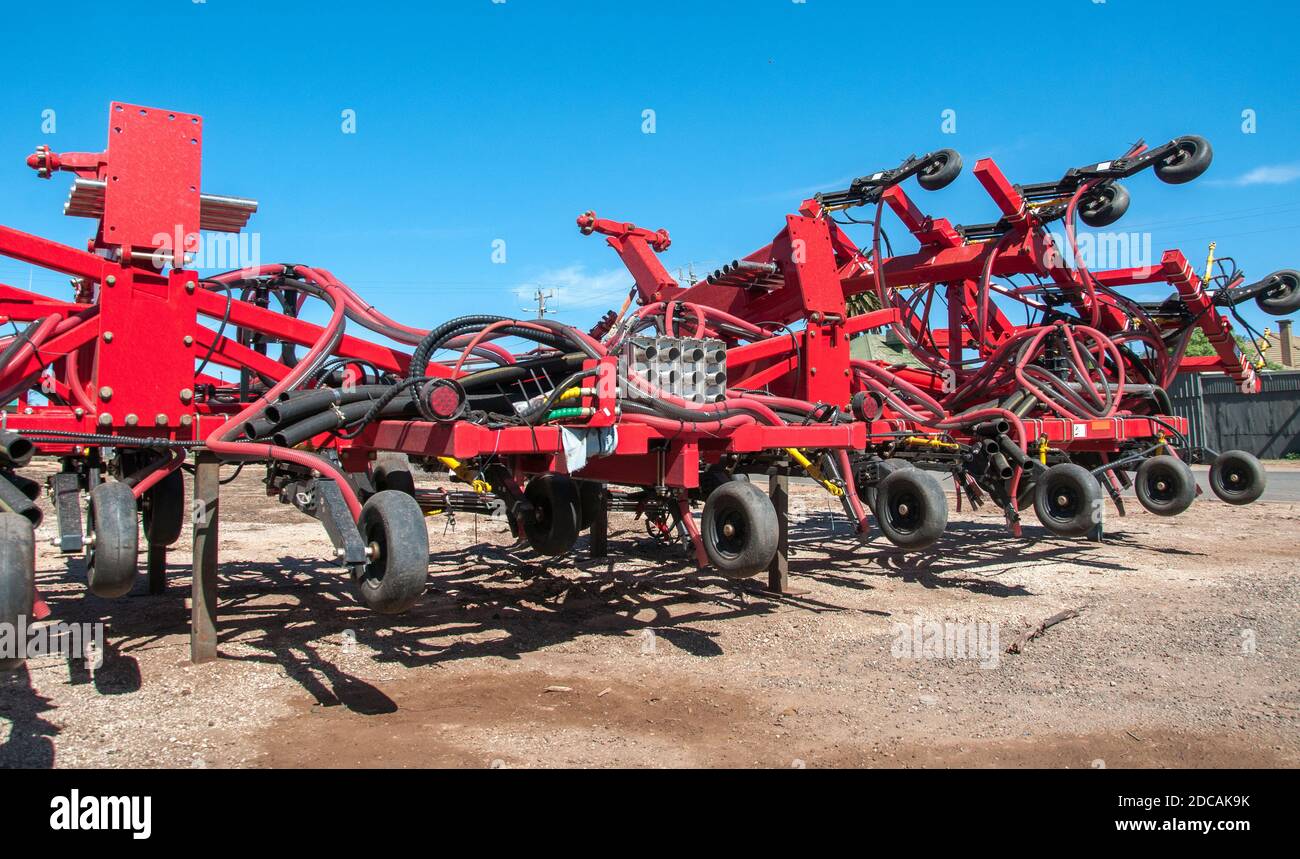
(483, 600)
(30, 744)
(488, 600)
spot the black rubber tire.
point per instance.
(1284, 299)
(1165, 485)
(392, 524)
(17, 576)
(911, 508)
(591, 497)
(1191, 159)
(552, 529)
(739, 529)
(1104, 206)
(714, 477)
(392, 472)
(162, 510)
(1067, 500)
(940, 172)
(886, 467)
(112, 560)
(1237, 477)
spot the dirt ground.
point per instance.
(1184, 653)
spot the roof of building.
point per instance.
(871, 346)
(1273, 350)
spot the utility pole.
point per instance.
(541, 298)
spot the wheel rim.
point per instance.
(1235, 479)
(906, 511)
(90, 537)
(1181, 154)
(1283, 293)
(1063, 503)
(1100, 202)
(1162, 486)
(377, 542)
(730, 533)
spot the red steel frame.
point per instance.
(127, 315)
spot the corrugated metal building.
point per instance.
(1266, 424)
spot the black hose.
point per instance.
(14, 500)
(334, 418)
(15, 451)
(510, 373)
(102, 439)
(438, 337)
(300, 404)
(18, 342)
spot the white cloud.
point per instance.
(574, 287)
(1269, 174)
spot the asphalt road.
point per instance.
(1283, 483)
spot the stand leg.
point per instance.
(600, 531)
(778, 572)
(157, 568)
(203, 602)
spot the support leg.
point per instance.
(600, 530)
(203, 602)
(157, 568)
(778, 572)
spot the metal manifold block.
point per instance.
(694, 369)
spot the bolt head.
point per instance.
(186, 420)
(106, 393)
(108, 336)
(132, 420)
(187, 395)
(110, 280)
(160, 420)
(189, 341)
(105, 420)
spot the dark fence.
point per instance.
(1266, 424)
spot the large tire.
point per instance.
(940, 172)
(1165, 485)
(715, 477)
(162, 510)
(1237, 477)
(112, 558)
(739, 529)
(392, 472)
(911, 508)
(884, 468)
(1104, 206)
(1191, 159)
(552, 528)
(1283, 299)
(1068, 500)
(392, 524)
(17, 578)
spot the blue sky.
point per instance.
(478, 121)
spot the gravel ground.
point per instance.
(1184, 653)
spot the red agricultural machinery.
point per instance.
(671, 403)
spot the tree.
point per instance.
(1199, 346)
